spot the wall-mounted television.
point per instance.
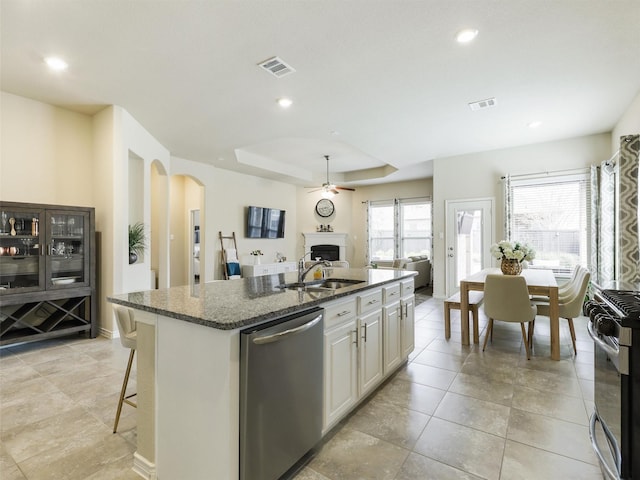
(265, 222)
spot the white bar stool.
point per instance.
(128, 338)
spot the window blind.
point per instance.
(552, 214)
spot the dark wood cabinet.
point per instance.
(47, 271)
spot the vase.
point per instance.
(257, 260)
(133, 258)
(510, 266)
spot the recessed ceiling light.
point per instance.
(535, 124)
(56, 63)
(466, 35)
(285, 102)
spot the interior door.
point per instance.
(469, 228)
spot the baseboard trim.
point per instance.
(110, 334)
(144, 467)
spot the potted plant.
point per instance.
(511, 255)
(137, 241)
(257, 254)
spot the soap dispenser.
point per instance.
(317, 274)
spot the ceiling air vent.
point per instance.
(275, 66)
(482, 104)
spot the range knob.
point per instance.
(589, 307)
(605, 325)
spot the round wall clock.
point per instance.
(325, 207)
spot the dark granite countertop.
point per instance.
(231, 304)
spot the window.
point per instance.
(399, 229)
(552, 214)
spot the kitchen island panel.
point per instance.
(198, 401)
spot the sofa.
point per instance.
(420, 264)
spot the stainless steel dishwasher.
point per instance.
(281, 366)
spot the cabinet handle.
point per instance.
(343, 313)
(372, 302)
(356, 333)
(365, 333)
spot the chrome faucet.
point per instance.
(302, 272)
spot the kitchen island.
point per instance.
(188, 363)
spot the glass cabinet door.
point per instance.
(67, 253)
(20, 250)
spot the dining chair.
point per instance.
(128, 339)
(566, 289)
(569, 305)
(506, 298)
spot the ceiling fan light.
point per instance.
(327, 192)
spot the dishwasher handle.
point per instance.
(276, 337)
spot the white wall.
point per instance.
(478, 176)
(102, 180)
(45, 153)
(232, 194)
(132, 138)
(388, 191)
(58, 148)
(629, 124)
(226, 196)
(350, 212)
(309, 220)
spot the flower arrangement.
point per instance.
(512, 251)
(257, 252)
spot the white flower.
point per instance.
(512, 251)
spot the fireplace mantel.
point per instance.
(326, 238)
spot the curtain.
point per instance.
(507, 207)
(603, 221)
(629, 239)
(367, 253)
(396, 227)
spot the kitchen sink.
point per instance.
(327, 284)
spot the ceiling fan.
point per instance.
(328, 189)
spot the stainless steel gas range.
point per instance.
(615, 424)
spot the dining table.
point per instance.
(540, 282)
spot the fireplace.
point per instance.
(325, 252)
(329, 242)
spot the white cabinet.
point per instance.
(367, 336)
(370, 351)
(340, 360)
(369, 340)
(352, 352)
(407, 309)
(268, 269)
(392, 337)
(341, 372)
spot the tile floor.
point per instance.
(452, 412)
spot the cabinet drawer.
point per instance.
(408, 287)
(367, 302)
(391, 293)
(336, 313)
